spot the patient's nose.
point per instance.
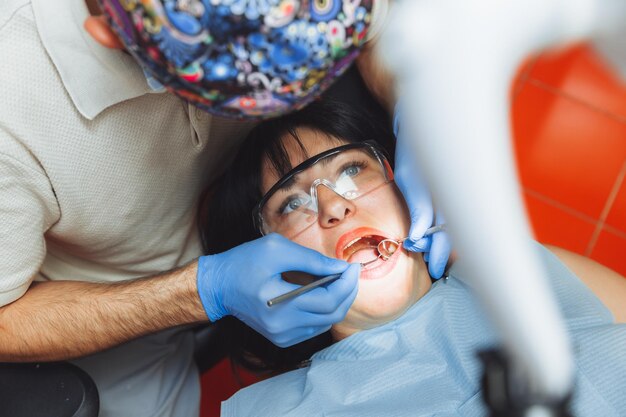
(332, 208)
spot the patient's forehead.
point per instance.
(309, 142)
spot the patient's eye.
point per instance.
(352, 171)
(293, 203)
(352, 168)
(347, 185)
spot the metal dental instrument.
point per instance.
(384, 253)
(385, 246)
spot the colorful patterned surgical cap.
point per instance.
(247, 59)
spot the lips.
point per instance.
(360, 245)
(363, 249)
(363, 239)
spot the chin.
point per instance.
(386, 306)
(382, 300)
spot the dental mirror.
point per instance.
(387, 247)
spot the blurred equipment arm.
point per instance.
(453, 62)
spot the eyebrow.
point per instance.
(289, 184)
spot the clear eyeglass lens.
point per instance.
(350, 174)
(351, 195)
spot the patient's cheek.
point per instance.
(309, 238)
(312, 238)
(386, 203)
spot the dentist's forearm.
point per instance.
(61, 320)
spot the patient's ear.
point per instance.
(100, 30)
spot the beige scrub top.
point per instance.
(99, 181)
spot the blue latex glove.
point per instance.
(239, 282)
(437, 246)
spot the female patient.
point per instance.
(320, 177)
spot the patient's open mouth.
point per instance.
(361, 245)
(362, 249)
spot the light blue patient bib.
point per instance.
(425, 363)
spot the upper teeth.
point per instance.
(352, 242)
(363, 242)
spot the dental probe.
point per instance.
(330, 278)
(383, 251)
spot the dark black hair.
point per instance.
(226, 220)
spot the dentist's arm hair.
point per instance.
(60, 320)
(606, 284)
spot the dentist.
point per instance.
(100, 174)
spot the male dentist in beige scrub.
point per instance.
(100, 174)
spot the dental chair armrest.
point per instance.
(57, 389)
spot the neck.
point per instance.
(94, 7)
(359, 320)
(339, 332)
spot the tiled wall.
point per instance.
(569, 124)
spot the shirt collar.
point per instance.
(95, 77)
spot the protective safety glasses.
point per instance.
(351, 171)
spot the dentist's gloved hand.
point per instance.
(437, 246)
(239, 282)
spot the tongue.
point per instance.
(363, 255)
